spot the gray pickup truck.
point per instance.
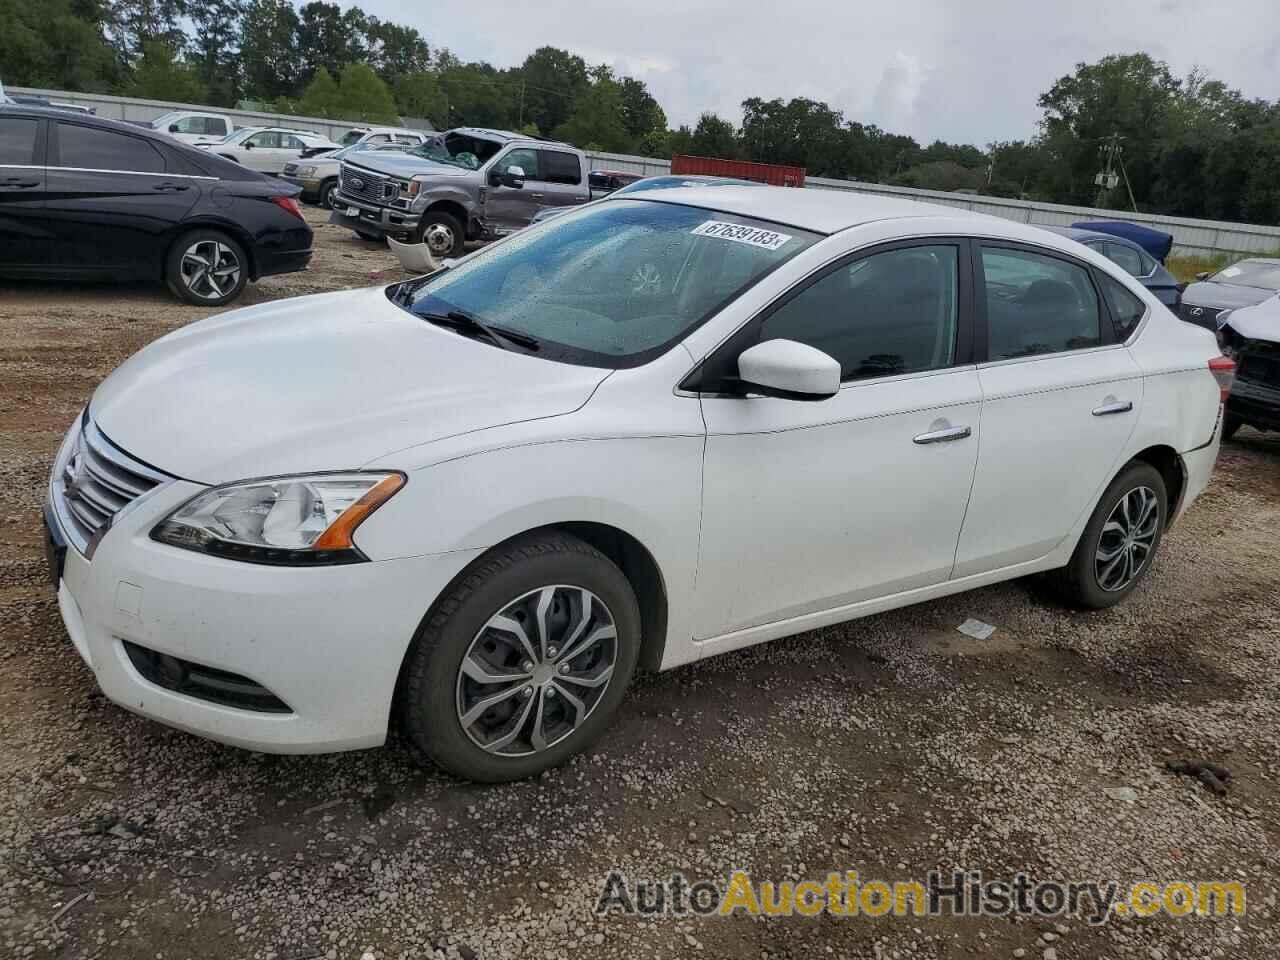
(466, 184)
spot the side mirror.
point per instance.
(1202, 275)
(173, 128)
(512, 177)
(789, 370)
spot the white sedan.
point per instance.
(655, 429)
(267, 149)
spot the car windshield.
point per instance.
(610, 285)
(351, 136)
(1251, 273)
(458, 150)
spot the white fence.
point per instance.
(1189, 236)
(134, 109)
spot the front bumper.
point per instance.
(383, 221)
(327, 641)
(1255, 403)
(310, 188)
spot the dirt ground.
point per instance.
(888, 746)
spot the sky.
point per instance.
(966, 71)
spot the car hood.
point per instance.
(1258, 322)
(327, 382)
(405, 165)
(1224, 295)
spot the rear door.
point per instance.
(111, 203)
(262, 152)
(565, 182)
(24, 236)
(1061, 396)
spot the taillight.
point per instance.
(289, 205)
(1224, 371)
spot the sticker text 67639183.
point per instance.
(765, 239)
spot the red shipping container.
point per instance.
(776, 174)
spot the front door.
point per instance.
(24, 235)
(509, 208)
(810, 506)
(111, 205)
(1061, 400)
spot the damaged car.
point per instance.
(1240, 285)
(1251, 336)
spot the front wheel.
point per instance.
(327, 190)
(1120, 541)
(207, 268)
(442, 233)
(523, 661)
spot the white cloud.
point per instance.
(930, 68)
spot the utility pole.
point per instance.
(520, 122)
(1107, 180)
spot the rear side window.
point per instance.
(561, 167)
(1037, 304)
(1126, 310)
(889, 313)
(91, 148)
(18, 140)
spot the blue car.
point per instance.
(1132, 258)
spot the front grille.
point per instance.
(1260, 363)
(1206, 317)
(96, 482)
(361, 184)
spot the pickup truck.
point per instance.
(465, 184)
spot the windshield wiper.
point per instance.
(461, 320)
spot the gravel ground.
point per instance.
(888, 746)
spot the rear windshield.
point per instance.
(610, 285)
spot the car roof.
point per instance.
(84, 119)
(822, 211)
(506, 135)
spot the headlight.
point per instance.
(306, 171)
(295, 521)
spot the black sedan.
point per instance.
(84, 197)
(1209, 301)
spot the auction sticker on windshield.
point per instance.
(765, 239)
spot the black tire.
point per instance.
(1231, 426)
(186, 283)
(327, 189)
(1079, 580)
(434, 222)
(429, 691)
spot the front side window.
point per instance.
(18, 140)
(215, 126)
(526, 160)
(265, 140)
(611, 285)
(1037, 304)
(90, 148)
(191, 125)
(1126, 310)
(561, 167)
(888, 313)
(458, 150)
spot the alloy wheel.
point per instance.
(210, 269)
(438, 238)
(1127, 539)
(536, 670)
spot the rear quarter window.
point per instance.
(1127, 310)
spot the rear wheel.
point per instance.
(327, 190)
(206, 267)
(442, 233)
(522, 662)
(1120, 541)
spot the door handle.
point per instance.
(174, 187)
(945, 435)
(536, 196)
(1113, 406)
(20, 184)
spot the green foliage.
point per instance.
(321, 98)
(215, 50)
(714, 137)
(160, 75)
(49, 45)
(269, 52)
(598, 119)
(940, 175)
(363, 96)
(421, 95)
(552, 82)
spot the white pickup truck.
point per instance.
(193, 126)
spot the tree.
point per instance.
(552, 81)
(51, 46)
(363, 96)
(321, 98)
(396, 52)
(214, 52)
(597, 121)
(714, 137)
(476, 94)
(327, 37)
(420, 95)
(269, 49)
(160, 75)
(136, 22)
(641, 114)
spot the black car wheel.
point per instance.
(327, 190)
(442, 234)
(207, 268)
